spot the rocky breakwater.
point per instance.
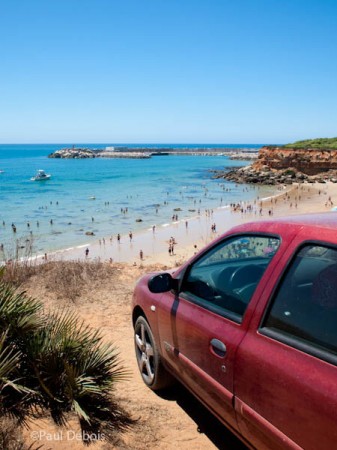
(73, 153)
(279, 165)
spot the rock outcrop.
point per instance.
(277, 165)
(308, 161)
(73, 153)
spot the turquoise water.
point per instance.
(150, 190)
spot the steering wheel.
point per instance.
(245, 275)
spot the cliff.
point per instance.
(308, 161)
(276, 165)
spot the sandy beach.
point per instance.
(176, 420)
(195, 233)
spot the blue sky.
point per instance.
(173, 71)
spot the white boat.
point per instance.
(41, 175)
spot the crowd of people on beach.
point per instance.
(291, 196)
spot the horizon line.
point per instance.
(137, 143)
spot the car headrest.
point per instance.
(324, 288)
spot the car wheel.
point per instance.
(151, 369)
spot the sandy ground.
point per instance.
(177, 421)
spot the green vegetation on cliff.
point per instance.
(317, 144)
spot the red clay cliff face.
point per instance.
(277, 165)
(310, 162)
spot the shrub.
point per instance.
(56, 363)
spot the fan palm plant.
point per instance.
(53, 362)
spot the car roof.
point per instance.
(326, 220)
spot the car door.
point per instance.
(286, 365)
(201, 327)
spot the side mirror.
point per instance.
(161, 283)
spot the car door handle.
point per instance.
(218, 347)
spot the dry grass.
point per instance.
(17, 272)
(67, 279)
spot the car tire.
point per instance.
(153, 373)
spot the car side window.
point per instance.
(304, 310)
(224, 279)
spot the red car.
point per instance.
(249, 326)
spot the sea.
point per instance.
(106, 196)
